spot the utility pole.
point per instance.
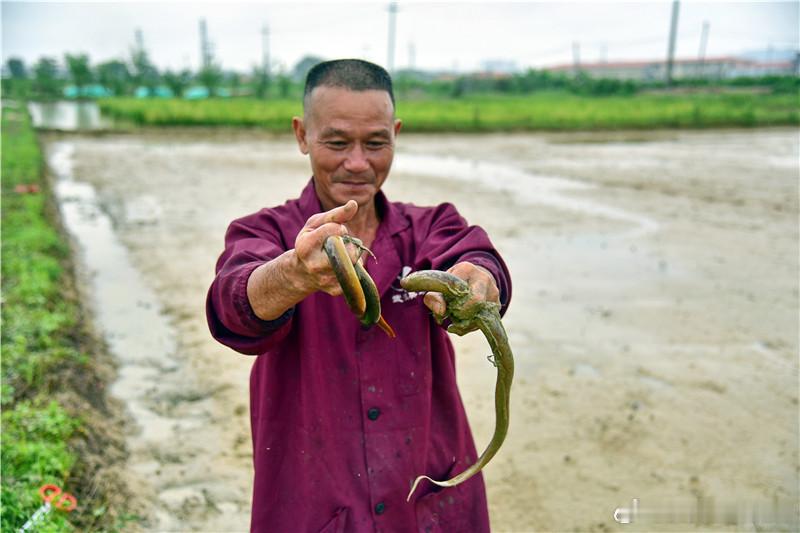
(576, 56)
(265, 49)
(673, 30)
(139, 38)
(701, 55)
(412, 56)
(205, 46)
(390, 51)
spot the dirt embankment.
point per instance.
(654, 317)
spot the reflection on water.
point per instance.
(67, 116)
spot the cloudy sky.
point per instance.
(430, 35)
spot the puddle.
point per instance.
(526, 186)
(67, 116)
(150, 374)
(122, 302)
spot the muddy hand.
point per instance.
(466, 314)
(482, 287)
(358, 289)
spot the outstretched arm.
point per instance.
(281, 283)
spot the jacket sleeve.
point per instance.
(447, 239)
(249, 243)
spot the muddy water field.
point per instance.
(654, 316)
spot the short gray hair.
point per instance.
(353, 74)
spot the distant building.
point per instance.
(656, 70)
(87, 91)
(162, 91)
(499, 66)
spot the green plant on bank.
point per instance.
(35, 428)
(550, 111)
(43, 354)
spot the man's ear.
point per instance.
(398, 124)
(300, 134)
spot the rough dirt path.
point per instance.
(654, 317)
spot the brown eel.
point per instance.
(358, 289)
(465, 317)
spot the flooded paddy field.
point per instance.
(654, 316)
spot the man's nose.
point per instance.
(356, 160)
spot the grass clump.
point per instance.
(52, 395)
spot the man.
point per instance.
(343, 417)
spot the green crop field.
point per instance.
(551, 111)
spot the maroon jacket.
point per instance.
(343, 417)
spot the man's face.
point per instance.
(349, 137)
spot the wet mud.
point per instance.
(654, 320)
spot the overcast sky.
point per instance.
(431, 35)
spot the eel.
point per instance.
(358, 288)
(465, 316)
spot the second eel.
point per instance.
(465, 316)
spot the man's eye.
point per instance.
(376, 144)
(336, 145)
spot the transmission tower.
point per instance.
(673, 31)
(206, 53)
(701, 55)
(576, 56)
(139, 39)
(390, 51)
(265, 48)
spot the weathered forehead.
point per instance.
(325, 103)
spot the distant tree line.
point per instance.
(46, 79)
(410, 84)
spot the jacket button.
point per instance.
(373, 413)
(380, 507)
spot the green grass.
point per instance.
(35, 428)
(550, 111)
(49, 383)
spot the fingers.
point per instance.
(481, 282)
(354, 252)
(435, 302)
(481, 285)
(338, 215)
(310, 240)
